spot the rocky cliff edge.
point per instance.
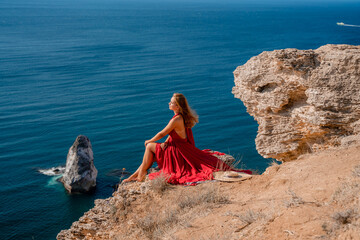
(303, 100)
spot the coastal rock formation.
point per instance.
(80, 172)
(316, 197)
(303, 100)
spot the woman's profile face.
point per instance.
(172, 104)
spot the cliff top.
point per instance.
(314, 197)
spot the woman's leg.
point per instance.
(145, 165)
(132, 177)
(148, 160)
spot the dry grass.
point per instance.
(234, 163)
(179, 209)
(253, 223)
(294, 201)
(120, 210)
(156, 225)
(348, 192)
(345, 217)
(356, 171)
(216, 236)
(231, 161)
(238, 163)
(207, 194)
(346, 220)
(274, 163)
(160, 184)
(342, 221)
(250, 216)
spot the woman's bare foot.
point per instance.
(129, 179)
(141, 179)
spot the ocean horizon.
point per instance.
(107, 69)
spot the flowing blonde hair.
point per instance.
(189, 115)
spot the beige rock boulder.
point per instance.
(303, 100)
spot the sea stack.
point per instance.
(80, 172)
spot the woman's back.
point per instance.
(180, 127)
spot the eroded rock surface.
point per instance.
(303, 100)
(80, 172)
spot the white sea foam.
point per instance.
(54, 171)
(53, 182)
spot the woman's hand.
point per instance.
(164, 145)
(147, 142)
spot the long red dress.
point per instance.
(182, 163)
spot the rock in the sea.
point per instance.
(80, 172)
(303, 100)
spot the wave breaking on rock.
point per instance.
(54, 171)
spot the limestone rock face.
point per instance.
(303, 100)
(80, 172)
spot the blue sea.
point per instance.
(108, 68)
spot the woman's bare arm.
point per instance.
(171, 125)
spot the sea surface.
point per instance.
(107, 69)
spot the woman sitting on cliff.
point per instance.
(178, 158)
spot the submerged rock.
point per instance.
(118, 173)
(303, 100)
(80, 172)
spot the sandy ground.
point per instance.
(314, 197)
(295, 200)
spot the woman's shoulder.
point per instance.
(178, 119)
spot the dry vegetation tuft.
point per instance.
(120, 208)
(250, 216)
(344, 217)
(177, 210)
(348, 192)
(208, 194)
(343, 220)
(156, 224)
(160, 184)
(294, 201)
(216, 236)
(347, 196)
(356, 171)
(274, 163)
